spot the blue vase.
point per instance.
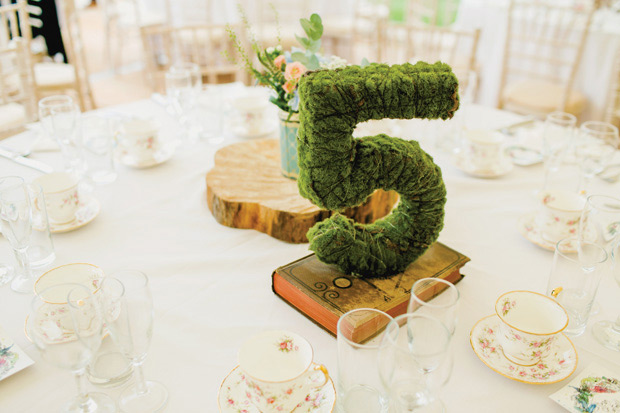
(288, 144)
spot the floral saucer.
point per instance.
(501, 169)
(232, 397)
(87, 211)
(159, 157)
(560, 364)
(528, 228)
(523, 156)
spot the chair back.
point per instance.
(612, 108)
(16, 75)
(207, 45)
(545, 41)
(431, 12)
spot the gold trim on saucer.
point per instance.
(471, 342)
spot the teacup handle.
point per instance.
(323, 370)
(556, 291)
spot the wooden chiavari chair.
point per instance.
(612, 109)
(17, 94)
(544, 45)
(206, 45)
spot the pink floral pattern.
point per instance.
(559, 364)
(507, 305)
(286, 345)
(238, 395)
(70, 200)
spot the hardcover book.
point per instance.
(322, 293)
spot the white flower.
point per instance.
(279, 48)
(270, 50)
(333, 62)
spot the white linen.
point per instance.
(212, 284)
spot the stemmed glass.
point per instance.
(595, 147)
(180, 90)
(16, 221)
(436, 298)
(128, 308)
(60, 116)
(558, 136)
(413, 362)
(66, 325)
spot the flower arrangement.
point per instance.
(281, 70)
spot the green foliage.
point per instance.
(338, 171)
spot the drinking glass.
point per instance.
(575, 276)
(98, 140)
(16, 221)
(413, 362)
(600, 221)
(558, 137)
(128, 308)
(180, 91)
(41, 248)
(66, 324)
(608, 332)
(436, 298)
(194, 71)
(60, 117)
(360, 332)
(595, 147)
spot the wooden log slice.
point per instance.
(246, 189)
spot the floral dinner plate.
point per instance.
(559, 365)
(232, 397)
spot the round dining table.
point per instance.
(211, 284)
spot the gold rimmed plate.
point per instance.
(559, 365)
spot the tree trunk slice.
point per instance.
(246, 189)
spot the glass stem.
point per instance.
(140, 381)
(82, 395)
(616, 325)
(23, 263)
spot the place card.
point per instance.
(595, 390)
(12, 358)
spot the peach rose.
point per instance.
(294, 71)
(279, 61)
(288, 87)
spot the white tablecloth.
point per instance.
(595, 70)
(212, 287)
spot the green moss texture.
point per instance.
(339, 171)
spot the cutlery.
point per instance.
(510, 129)
(31, 163)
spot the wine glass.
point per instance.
(437, 298)
(595, 148)
(414, 363)
(16, 222)
(128, 308)
(180, 90)
(60, 117)
(66, 324)
(608, 332)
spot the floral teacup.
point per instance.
(559, 214)
(483, 148)
(61, 196)
(277, 370)
(530, 325)
(139, 139)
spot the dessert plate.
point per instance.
(528, 228)
(87, 211)
(501, 169)
(232, 396)
(559, 365)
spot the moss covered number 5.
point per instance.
(338, 171)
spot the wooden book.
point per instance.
(323, 293)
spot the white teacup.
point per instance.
(61, 196)
(88, 275)
(277, 369)
(251, 112)
(483, 148)
(139, 138)
(530, 324)
(559, 215)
